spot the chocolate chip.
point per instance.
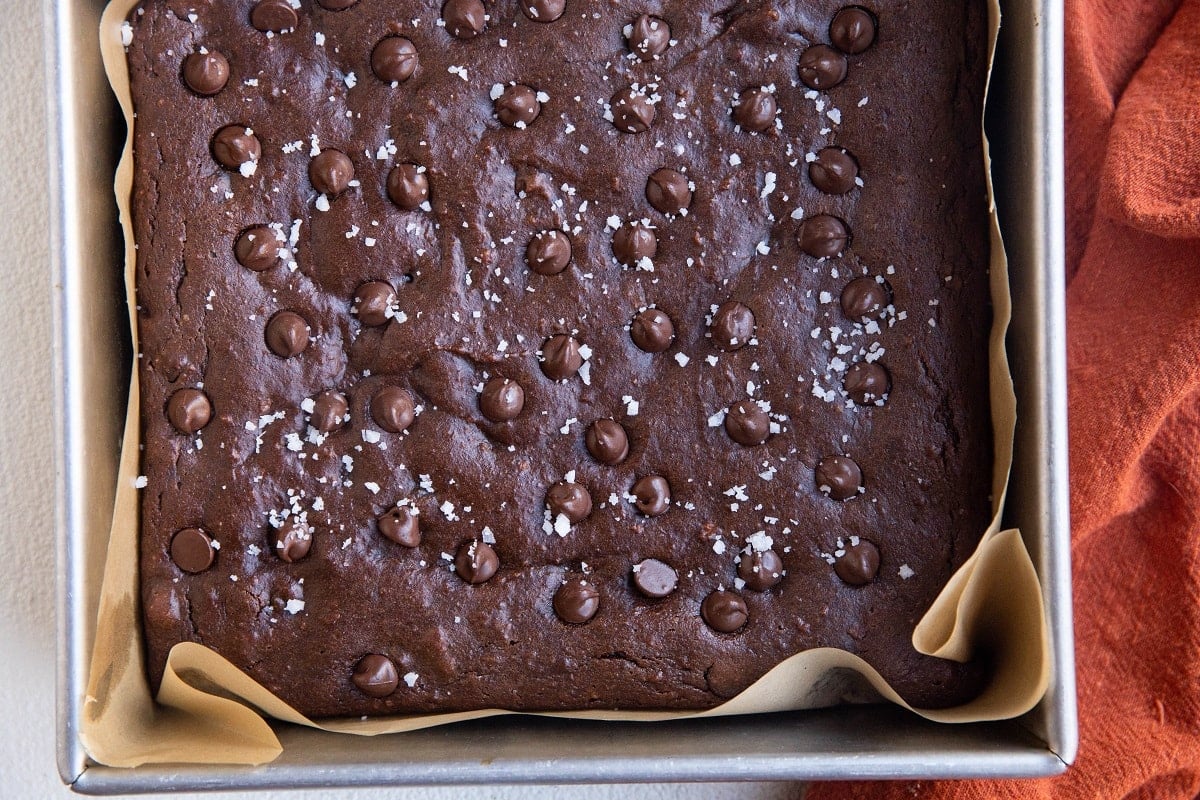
(822, 67)
(653, 578)
(652, 495)
(755, 110)
(747, 424)
(337, 5)
(852, 30)
(867, 383)
(291, 541)
(724, 611)
(331, 172)
(501, 399)
(465, 19)
(652, 330)
(823, 236)
(375, 675)
(408, 186)
(561, 357)
(865, 299)
(192, 550)
(760, 569)
(373, 302)
(543, 10)
(570, 500)
(287, 334)
(235, 145)
(648, 37)
(189, 410)
(401, 525)
(838, 477)
(668, 190)
(393, 409)
(274, 16)
(206, 73)
(394, 59)
(632, 112)
(633, 242)
(576, 602)
(548, 252)
(834, 170)
(732, 326)
(858, 564)
(517, 105)
(607, 441)
(476, 561)
(258, 248)
(330, 411)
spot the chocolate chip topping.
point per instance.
(501, 399)
(822, 67)
(235, 145)
(375, 675)
(834, 170)
(287, 334)
(760, 569)
(330, 411)
(648, 37)
(576, 601)
(561, 357)
(724, 611)
(607, 441)
(517, 106)
(465, 19)
(402, 525)
(632, 111)
(653, 578)
(336, 5)
(476, 561)
(570, 500)
(189, 410)
(331, 172)
(858, 564)
(747, 424)
(668, 190)
(258, 248)
(865, 299)
(292, 540)
(192, 550)
(633, 242)
(755, 110)
(838, 477)
(373, 302)
(732, 326)
(206, 73)
(852, 30)
(393, 409)
(394, 59)
(548, 252)
(408, 186)
(652, 330)
(274, 16)
(652, 495)
(867, 383)
(543, 10)
(823, 236)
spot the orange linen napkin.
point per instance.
(1133, 311)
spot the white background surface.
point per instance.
(27, 765)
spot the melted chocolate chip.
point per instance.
(401, 525)
(668, 190)
(760, 569)
(724, 611)
(548, 252)
(652, 495)
(607, 441)
(501, 399)
(393, 409)
(287, 334)
(189, 410)
(206, 73)
(858, 564)
(330, 411)
(834, 170)
(476, 561)
(258, 248)
(867, 383)
(822, 67)
(823, 236)
(373, 302)
(375, 675)
(838, 477)
(632, 112)
(576, 602)
(747, 424)
(652, 330)
(465, 19)
(543, 10)
(755, 110)
(653, 578)
(192, 550)
(648, 37)
(732, 326)
(633, 242)
(331, 172)
(570, 500)
(291, 541)
(408, 186)
(274, 16)
(337, 5)
(235, 145)
(865, 299)
(517, 106)
(852, 30)
(394, 59)
(561, 357)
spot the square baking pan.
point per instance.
(92, 354)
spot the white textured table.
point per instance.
(27, 766)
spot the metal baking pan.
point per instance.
(92, 358)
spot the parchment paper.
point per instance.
(207, 711)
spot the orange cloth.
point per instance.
(1133, 311)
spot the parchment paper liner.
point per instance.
(207, 711)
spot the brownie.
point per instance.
(558, 355)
